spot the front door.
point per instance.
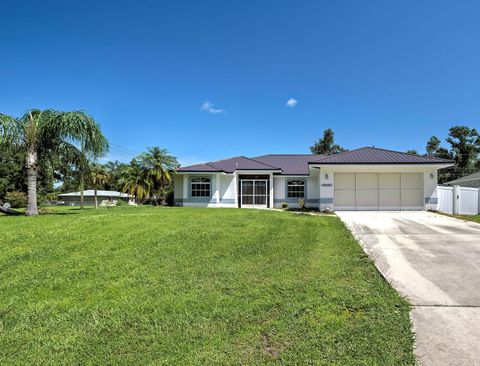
(253, 193)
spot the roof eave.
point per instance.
(379, 163)
(437, 165)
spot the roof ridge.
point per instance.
(341, 153)
(402, 152)
(211, 165)
(260, 156)
(253, 159)
(233, 157)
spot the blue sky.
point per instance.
(211, 79)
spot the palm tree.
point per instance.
(136, 181)
(98, 176)
(48, 134)
(160, 166)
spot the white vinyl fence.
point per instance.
(459, 200)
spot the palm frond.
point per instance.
(76, 127)
(10, 131)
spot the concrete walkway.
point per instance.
(434, 261)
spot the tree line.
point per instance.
(463, 149)
(44, 146)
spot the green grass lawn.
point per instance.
(474, 218)
(184, 286)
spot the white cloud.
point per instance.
(210, 108)
(292, 103)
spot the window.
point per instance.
(295, 189)
(200, 187)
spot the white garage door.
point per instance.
(378, 191)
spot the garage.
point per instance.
(378, 191)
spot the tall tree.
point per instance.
(46, 135)
(12, 177)
(160, 166)
(433, 148)
(465, 143)
(136, 181)
(114, 170)
(326, 145)
(98, 176)
(433, 144)
(412, 152)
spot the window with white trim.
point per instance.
(295, 189)
(200, 187)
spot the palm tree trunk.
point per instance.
(32, 172)
(96, 201)
(81, 179)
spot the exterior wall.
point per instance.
(183, 196)
(228, 190)
(430, 191)
(223, 191)
(178, 186)
(312, 190)
(327, 185)
(326, 188)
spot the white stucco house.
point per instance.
(363, 179)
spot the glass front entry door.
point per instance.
(253, 193)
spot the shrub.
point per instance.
(169, 197)
(16, 199)
(284, 204)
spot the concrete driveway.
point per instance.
(434, 261)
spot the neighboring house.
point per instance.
(363, 179)
(472, 180)
(73, 198)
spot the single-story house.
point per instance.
(73, 198)
(472, 180)
(363, 179)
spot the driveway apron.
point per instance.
(434, 261)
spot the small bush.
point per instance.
(284, 204)
(16, 199)
(169, 197)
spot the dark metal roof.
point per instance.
(291, 164)
(373, 155)
(229, 165)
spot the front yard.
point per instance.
(193, 286)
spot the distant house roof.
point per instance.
(297, 164)
(373, 155)
(467, 178)
(91, 193)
